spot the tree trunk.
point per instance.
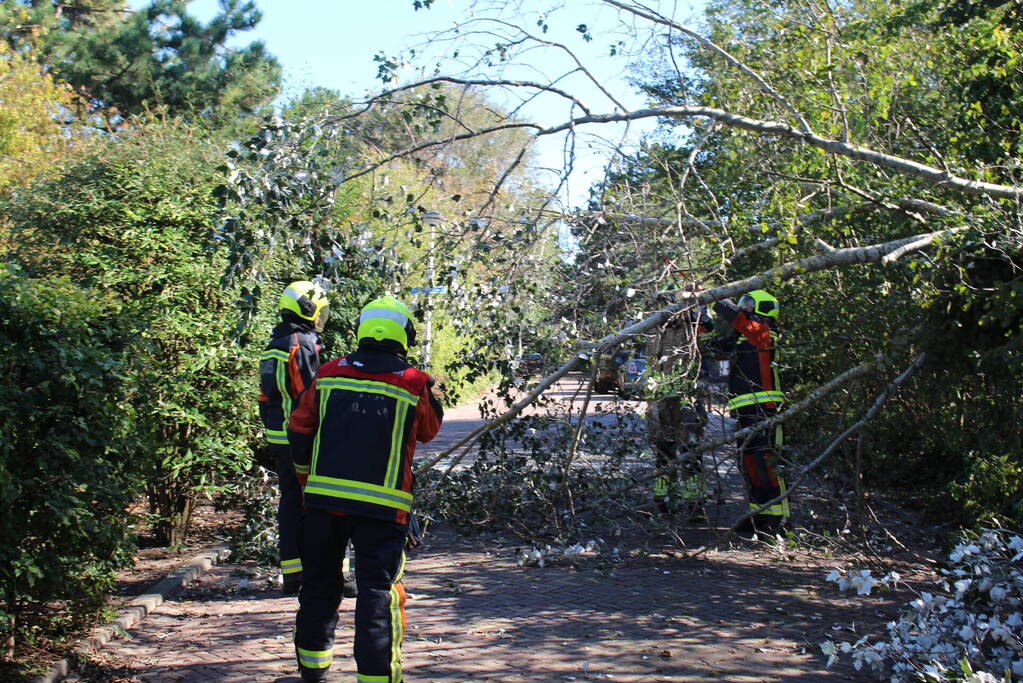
(173, 505)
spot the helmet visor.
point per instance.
(747, 302)
(321, 319)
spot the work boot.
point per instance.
(349, 589)
(661, 502)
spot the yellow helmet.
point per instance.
(761, 302)
(386, 318)
(306, 300)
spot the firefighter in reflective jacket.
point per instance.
(352, 438)
(756, 395)
(286, 367)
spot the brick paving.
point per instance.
(740, 614)
(475, 615)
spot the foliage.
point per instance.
(126, 62)
(886, 78)
(254, 495)
(967, 629)
(526, 477)
(133, 217)
(31, 102)
(68, 468)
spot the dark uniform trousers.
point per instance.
(289, 513)
(379, 609)
(758, 457)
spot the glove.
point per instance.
(414, 535)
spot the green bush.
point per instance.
(993, 484)
(66, 474)
(134, 217)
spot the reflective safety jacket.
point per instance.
(753, 378)
(286, 367)
(354, 431)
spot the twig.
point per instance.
(867, 417)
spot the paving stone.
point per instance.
(476, 616)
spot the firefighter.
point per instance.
(286, 367)
(755, 396)
(352, 437)
(673, 423)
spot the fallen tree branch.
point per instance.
(788, 271)
(769, 128)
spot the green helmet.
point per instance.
(386, 318)
(306, 300)
(761, 302)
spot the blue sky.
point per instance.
(331, 43)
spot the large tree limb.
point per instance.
(790, 412)
(830, 259)
(769, 128)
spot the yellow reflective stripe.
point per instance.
(779, 438)
(278, 436)
(359, 490)
(364, 678)
(397, 632)
(282, 386)
(776, 510)
(786, 511)
(291, 566)
(314, 659)
(660, 486)
(693, 487)
(346, 564)
(397, 432)
(755, 398)
(302, 469)
(274, 353)
(316, 440)
(368, 386)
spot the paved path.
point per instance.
(474, 615)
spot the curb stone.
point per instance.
(136, 611)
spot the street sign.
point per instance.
(428, 290)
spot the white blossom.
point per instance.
(974, 620)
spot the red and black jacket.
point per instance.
(753, 378)
(354, 432)
(286, 367)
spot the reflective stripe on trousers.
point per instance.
(756, 398)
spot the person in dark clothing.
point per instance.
(286, 367)
(755, 396)
(352, 438)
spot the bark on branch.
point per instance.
(788, 271)
(769, 128)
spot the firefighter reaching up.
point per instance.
(674, 419)
(755, 395)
